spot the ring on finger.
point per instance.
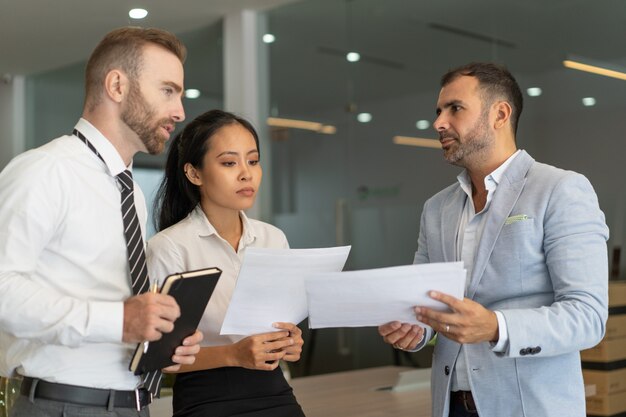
(397, 346)
(447, 328)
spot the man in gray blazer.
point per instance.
(533, 241)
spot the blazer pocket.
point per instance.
(520, 226)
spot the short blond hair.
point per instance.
(122, 49)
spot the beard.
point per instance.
(473, 145)
(139, 116)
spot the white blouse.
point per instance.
(193, 243)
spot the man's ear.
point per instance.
(116, 85)
(192, 174)
(503, 113)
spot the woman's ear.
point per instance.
(192, 174)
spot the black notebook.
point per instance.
(192, 291)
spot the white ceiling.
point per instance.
(408, 44)
(39, 35)
(405, 44)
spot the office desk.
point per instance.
(354, 393)
(346, 394)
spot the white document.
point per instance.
(377, 296)
(270, 287)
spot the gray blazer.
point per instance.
(542, 261)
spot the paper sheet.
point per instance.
(270, 287)
(377, 296)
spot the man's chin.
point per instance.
(156, 150)
(155, 145)
(152, 148)
(452, 158)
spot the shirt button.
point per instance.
(446, 370)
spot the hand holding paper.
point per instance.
(469, 322)
(377, 296)
(261, 351)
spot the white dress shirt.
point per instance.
(470, 232)
(63, 264)
(193, 243)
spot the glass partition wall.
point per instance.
(353, 87)
(367, 72)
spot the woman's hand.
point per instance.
(292, 352)
(261, 351)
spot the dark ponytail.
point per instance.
(177, 196)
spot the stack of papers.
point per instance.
(287, 285)
(270, 287)
(378, 296)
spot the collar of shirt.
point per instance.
(491, 181)
(205, 227)
(112, 159)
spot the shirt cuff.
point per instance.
(503, 335)
(106, 322)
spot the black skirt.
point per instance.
(230, 392)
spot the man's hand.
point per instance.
(469, 321)
(293, 351)
(403, 336)
(147, 316)
(186, 353)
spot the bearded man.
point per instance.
(72, 223)
(533, 241)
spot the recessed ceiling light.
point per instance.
(534, 91)
(364, 117)
(589, 101)
(192, 93)
(269, 38)
(138, 13)
(422, 124)
(353, 56)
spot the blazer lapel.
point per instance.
(450, 219)
(506, 196)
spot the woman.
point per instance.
(213, 174)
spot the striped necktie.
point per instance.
(134, 247)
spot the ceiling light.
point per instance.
(328, 130)
(422, 124)
(192, 93)
(364, 117)
(534, 91)
(301, 124)
(589, 101)
(138, 13)
(584, 64)
(353, 56)
(269, 38)
(422, 142)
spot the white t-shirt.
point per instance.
(193, 243)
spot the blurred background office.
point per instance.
(343, 93)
